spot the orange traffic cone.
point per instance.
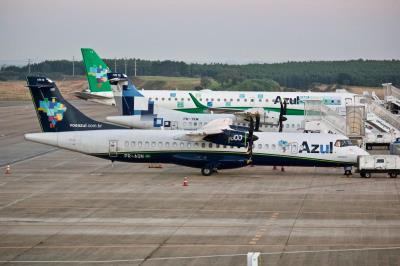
(185, 182)
(8, 169)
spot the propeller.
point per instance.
(282, 113)
(251, 140)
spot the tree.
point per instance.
(205, 82)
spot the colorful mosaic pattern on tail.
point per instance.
(100, 73)
(54, 110)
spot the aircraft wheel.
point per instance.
(393, 175)
(347, 172)
(206, 171)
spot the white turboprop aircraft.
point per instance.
(215, 146)
(139, 112)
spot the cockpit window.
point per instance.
(343, 143)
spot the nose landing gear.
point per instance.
(347, 171)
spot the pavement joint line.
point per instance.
(297, 215)
(199, 257)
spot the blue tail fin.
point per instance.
(55, 114)
(127, 98)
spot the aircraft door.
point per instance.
(113, 148)
(174, 125)
(294, 147)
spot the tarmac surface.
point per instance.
(59, 207)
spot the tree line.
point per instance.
(300, 75)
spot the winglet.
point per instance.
(197, 103)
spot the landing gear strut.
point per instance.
(347, 171)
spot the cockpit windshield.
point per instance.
(343, 143)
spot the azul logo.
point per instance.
(316, 148)
(54, 110)
(283, 144)
(295, 100)
(99, 73)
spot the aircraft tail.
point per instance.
(55, 114)
(127, 98)
(96, 71)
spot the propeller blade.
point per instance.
(284, 108)
(257, 126)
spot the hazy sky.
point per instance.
(235, 31)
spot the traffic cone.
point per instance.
(274, 168)
(185, 182)
(8, 169)
(282, 169)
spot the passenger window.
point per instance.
(217, 146)
(162, 99)
(195, 124)
(147, 144)
(203, 145)
(260, 146)
(210, 145)
(273, 146)
(189, 145)
(126, 144)
(218, 99)
(182, 145)
(166, 144)
(238, 100)
(153, 144)
(251, 100)
(266, 146)
(245, 100)
(175, 145)
(160, 144)
(190, 124)
(139, 144)
(133, 144)
(380, 160)
(196, 145)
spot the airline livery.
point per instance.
(238, 100)
(215, 146)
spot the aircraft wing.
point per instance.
(240, 113)
(214, 127)
(216, 110)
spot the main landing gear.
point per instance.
(208, 170)
(347, 171)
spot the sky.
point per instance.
(226, 31)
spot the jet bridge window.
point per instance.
(343, 143)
